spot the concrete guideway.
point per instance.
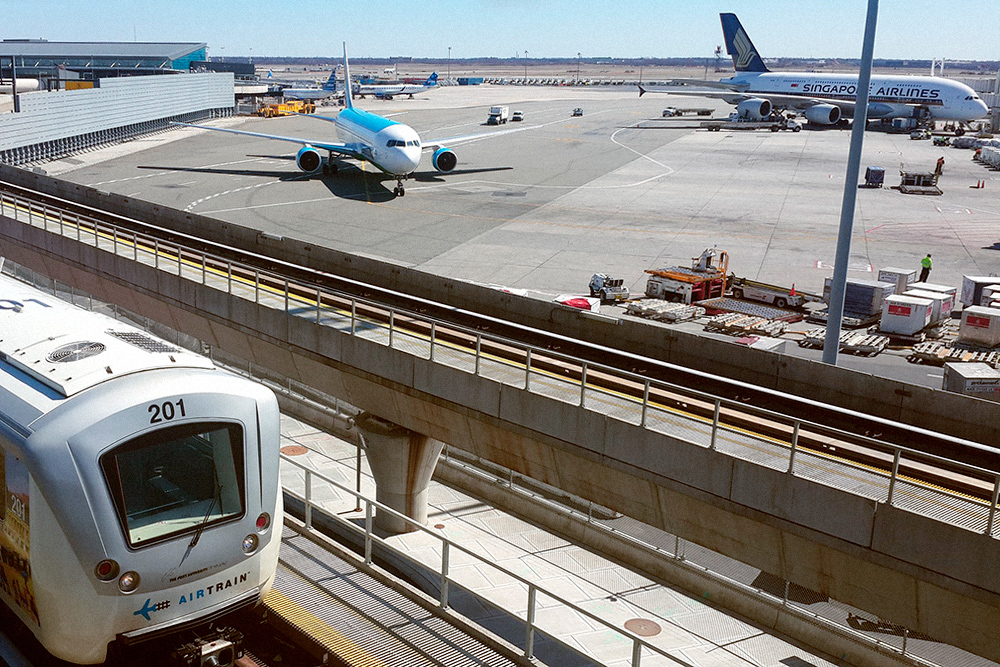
(740, 501)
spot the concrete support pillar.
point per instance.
(402, 462)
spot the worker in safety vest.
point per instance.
(940, 166)
(925, 270)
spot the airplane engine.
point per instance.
(444, 160)
(308, 159)
(754, 109)
(823, 114)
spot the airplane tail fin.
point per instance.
(331, 83)
(347, 81)
(432, 79)
(739, 46)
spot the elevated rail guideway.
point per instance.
(782, 483)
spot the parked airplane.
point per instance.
(825, 98)
(392, 147)
(328, 89)
(385, 91)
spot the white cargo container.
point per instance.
(901, 278)
(972, 379)
(990, 292)
(972, 288)
(933, 287)
(905, 315)
(980, 325)
(943, 303)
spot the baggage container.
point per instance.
(901, 278)
(972, 379)
(942, 303)
(980, 326)
(905, 315)
(862, 298)
(972, 288)
(990, 292)
(932, 287)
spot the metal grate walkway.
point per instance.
(360, 620)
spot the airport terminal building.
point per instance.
(97, 93)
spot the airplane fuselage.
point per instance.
(389, 145)
(889, 96)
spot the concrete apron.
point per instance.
(402, 462)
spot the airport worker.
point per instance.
(925, 269)
(979, 151)
(940, 166)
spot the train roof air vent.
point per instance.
(142, 341)
(75, 351)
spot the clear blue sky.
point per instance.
(918, 29)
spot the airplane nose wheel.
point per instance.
(398, 190)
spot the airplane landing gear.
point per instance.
(399, 191)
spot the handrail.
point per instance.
(370, 538)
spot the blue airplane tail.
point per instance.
(432, 79)
(740, 48)
(331, 83)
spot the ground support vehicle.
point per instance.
(675, 111)
(706, 279)
(607, 288)
(498, 115)
(577, 111)
(142, 507)
(286, 109)
(517, 116)
(779, 297)
(741, 124)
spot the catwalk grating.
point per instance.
(362, 621)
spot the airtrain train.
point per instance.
(141, 501)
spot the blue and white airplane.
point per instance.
(385, 91)
(328, 89)
(825, 98)
(391, 146)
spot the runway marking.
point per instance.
(164, 173)
(197, 202)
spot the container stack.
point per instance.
(980, 326)
(905, 315)
(942, 303)
(972, 289)
(863, 298)
(901, 278)
(975, 379)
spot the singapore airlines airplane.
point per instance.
(392, 147)
(826, 98)
(385, 91)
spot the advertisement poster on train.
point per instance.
(15, 541)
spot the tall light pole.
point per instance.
(578, 55)
(526, 66)
(449, 62)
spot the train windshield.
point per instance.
(176, 480)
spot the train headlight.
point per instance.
(263, 521)
(106, 570)
(128, 582)
(250, 543)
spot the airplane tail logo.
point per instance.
(331, 83)
(432, 79)
(739, 46)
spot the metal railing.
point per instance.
(666, 408)
(532, 590)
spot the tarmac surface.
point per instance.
(618, 190)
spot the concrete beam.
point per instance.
(828, 540)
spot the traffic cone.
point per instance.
(793, 289)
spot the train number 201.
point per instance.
(164, 412)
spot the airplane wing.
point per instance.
(735, 96)
(349, 150)
(434, 144)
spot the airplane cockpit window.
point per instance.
(390, 143)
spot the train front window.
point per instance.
(176, 480)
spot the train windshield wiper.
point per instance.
(216, 497)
